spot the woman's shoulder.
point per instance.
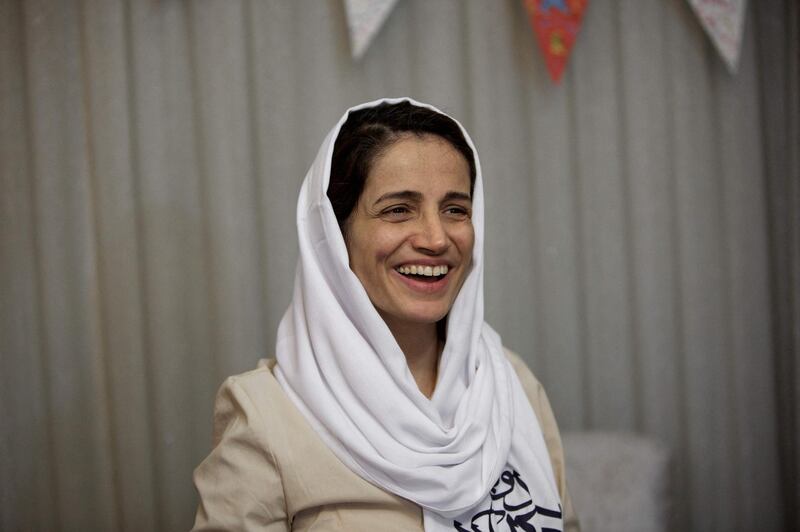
(259, 376)
(256, 384)
(517, 362)
(254, 396)
(536, 397)
(547, 422)
(531, 385)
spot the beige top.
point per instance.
(269, 471)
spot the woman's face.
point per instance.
(410, 235)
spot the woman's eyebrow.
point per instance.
(412, 195)
(453, 195)
(409, 195)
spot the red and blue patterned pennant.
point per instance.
(556, 24)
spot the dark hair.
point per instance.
(368, 132)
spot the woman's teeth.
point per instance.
(427, 271)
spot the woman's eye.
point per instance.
(457, 211)
(397, 211)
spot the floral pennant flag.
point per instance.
(556, 24)
(723, 20)
(364, 20)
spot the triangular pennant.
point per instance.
(723, 20)
(556, 23)
(364, 20)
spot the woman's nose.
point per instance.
(431, 236)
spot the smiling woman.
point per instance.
(410, 240)
(392, 405)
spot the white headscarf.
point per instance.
(343, 369)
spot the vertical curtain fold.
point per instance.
(779, 84)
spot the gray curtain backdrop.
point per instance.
(150, 157)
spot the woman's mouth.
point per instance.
(422, 273)
(425, 277)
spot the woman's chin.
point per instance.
(418, 317)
